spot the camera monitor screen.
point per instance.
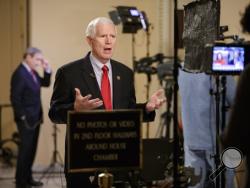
(228, 59)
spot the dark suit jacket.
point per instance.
(26, 94)
(237, 132)
(80, 74)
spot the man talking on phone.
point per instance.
(25, 98)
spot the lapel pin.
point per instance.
(118, 77)
(92, 75)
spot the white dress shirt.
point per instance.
(97, 66)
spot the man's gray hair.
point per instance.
(91, 28)
(31, 51)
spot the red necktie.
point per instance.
(105, 88)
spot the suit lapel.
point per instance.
(30, 79)
(90, 78)
(117, 88)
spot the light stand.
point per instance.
(148, 77)
(223, 117)
(175, 116)
(133, 51)
(168, 93)
(54, 162)
(147, 97)
(166, 117)
(220, 179)
(217, 154)
(148, 74)
(220, 99)
(217, 98)
(220, 124)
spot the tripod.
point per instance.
(54, 162)
(166, 117)
(220, 124)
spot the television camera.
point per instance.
(157, 64)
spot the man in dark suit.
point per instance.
(26, 101)
(96, 82)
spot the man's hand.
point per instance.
(85, 103)
(45, 65)
(155, 101)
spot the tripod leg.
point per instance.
(52, 167)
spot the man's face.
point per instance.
(103, 43)
(34, 61)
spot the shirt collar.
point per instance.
(96, 63)
(26, 66)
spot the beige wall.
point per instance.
(231, 14)
(13, 42)
(57, 27)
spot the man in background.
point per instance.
(96, 82)
(25, 98)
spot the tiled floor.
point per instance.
(52, 179)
